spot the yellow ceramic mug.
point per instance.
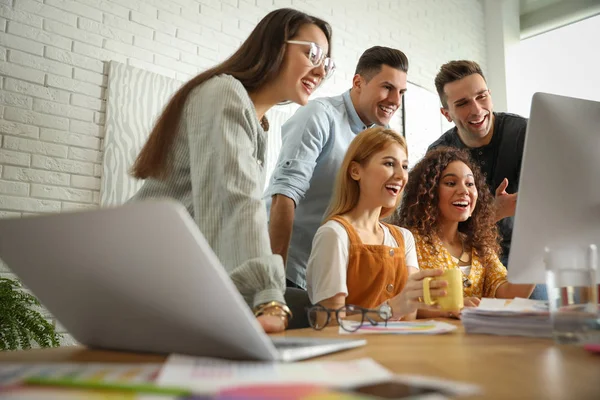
(453, 300)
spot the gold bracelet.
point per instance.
(261, 308)
(275, 310)
(281, 314)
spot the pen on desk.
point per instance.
(96, 385)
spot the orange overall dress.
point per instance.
(376, 273)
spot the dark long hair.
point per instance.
(420, 209)
(255, 63)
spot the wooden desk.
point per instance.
(505, 367)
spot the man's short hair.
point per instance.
(371, 61)
(454, 71)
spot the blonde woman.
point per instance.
(356, 258)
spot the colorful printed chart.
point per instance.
(284, 392)
(54, 381)
(78, 381)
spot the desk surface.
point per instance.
(505, 367)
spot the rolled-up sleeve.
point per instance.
(304, 135)
(227, 196)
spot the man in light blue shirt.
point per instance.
(315, 140)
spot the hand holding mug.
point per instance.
(411, 297)
(452, 300)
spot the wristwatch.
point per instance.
(385, 311)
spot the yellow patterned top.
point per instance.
(484, 280)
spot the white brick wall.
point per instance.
(53, 56)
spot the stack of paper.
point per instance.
(518, 317)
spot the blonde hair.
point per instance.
(347, 191)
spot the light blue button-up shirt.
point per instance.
(314, 143)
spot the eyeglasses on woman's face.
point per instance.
(349, 317)
(317, 56)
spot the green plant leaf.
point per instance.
(20, 321)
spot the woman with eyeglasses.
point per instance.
(356, 259)
(208, 147)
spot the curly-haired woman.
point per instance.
(450, 211)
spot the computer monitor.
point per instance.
(559, 190)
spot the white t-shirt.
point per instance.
(466, 269)
(328, 261)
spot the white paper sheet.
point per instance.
(517, 306)
(419, 327)
(209, 375)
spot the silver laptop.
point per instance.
(141, 277)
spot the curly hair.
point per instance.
(420, 213)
